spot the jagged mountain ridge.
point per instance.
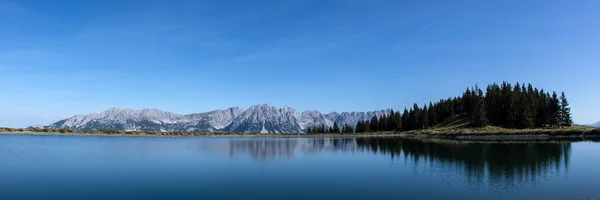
(266, 119)
(256, 119)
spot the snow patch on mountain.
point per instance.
(260, 118)
(352, 118)
(311, 118)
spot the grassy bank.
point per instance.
(460, 126)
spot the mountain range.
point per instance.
(260, 118)
(596, 124)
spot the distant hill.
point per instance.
(595, 124)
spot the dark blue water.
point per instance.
(65, 167)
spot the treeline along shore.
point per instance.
(503, 110)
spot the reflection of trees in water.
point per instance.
(268, 149)
(497, 162)
(505, 163)
(316, 145)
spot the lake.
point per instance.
(88, 167)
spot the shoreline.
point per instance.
(202, 135)
(522, 135)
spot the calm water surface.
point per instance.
(65, 167)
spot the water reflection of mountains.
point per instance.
(269, 149)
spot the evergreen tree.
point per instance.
(493, 103)
(554, 110)
(391, 122)
(308, 130)
(532, 102)
(542, 116)
(415, 123)
(359, 127)
(512, 108)
(405, 120)
(349, 129)
(479, 115)
(467, 101)
(525, 118)
(336, 128)
(374, 124)
(565, 111)
(382, 123)
(506, 111)
(432, 115)
(397, 120)
(457, 107)
(424, 117)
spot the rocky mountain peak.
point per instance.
(260, 118)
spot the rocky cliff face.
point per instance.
(256, 119)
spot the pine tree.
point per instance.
(457, 106)
(512, 108)
(391, 122)
(349, 128)
(397, 120)
(359, 127)
(405, 120)
(415, 123)
(432, 115)
(374, 124)
(565, 111)
(541, 118)
(554, 110)
(506, 111)
(424, 117)
(479, 115)
(381, 125)
(532, 102)
(493, 104)
(524, 114)
(467, 102)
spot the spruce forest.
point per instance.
(517, 107)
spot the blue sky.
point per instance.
(60, 58)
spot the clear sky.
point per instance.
(59, 58)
